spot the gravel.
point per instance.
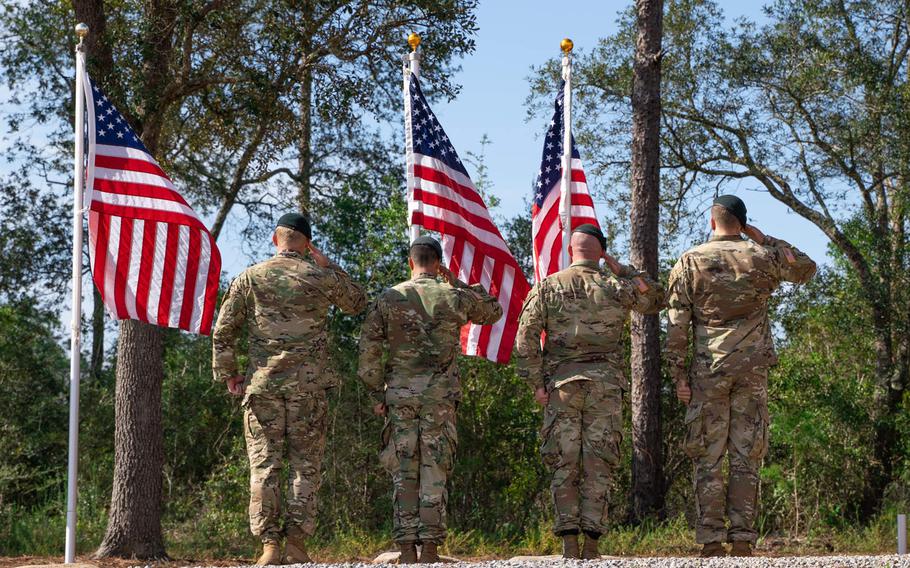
(889, 561)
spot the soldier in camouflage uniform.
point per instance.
(408, 351)
(579, 377)
(281, 306)
(720, 291)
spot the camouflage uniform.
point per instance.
(282, 305)
(721, 289)
(408, 351)
(583, 311)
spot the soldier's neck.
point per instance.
(422, 272)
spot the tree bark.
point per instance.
(647, 496)
(304, 143)
(97, 358)
(134, 519)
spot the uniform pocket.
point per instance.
(388, 458)
(694, 445)
(762, 434)
(549, 447)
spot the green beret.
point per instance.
(428, 241)
(734, 205)
(594, 231)
(297, 222)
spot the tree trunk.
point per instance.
(134, 519)
(647, 496)
(304, 143)
(97, 358)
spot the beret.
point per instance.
(594, 231)
(428, 241)
(297, 222)
(734, 205)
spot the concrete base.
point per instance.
(391, 557)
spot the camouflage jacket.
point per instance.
(721, 289)
(411, 338)
(583, 311)
(282, 304)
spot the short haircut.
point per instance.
(423, 255)
(290, 237)
(725, 218)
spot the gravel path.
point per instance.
(885, 561)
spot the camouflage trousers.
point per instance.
(419, 443)
(288, 426)
(727, 416)
(581, 435)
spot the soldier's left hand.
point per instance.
(541, 396)
(683, 392)
(320, 259)
(613, 264)
(379, 409)
(235, 385)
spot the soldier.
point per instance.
(578, 377)
(281, 305)
(408, 348)
(720, 289)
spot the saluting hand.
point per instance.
(753, 233)
(615, 266)
(319, 258)
(447, 275)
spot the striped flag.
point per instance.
(546, 226)
(152, 258)
(442, 198)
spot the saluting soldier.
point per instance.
(408, 350)
(719, 291)
(282, 305)
(579, 376)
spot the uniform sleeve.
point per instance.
(343, 291)
(795, 266)
(680, 322)
(232, 318)
(480, 307)
(640, 292)
(531, 323)
(371, 367)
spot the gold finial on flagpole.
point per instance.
(566, 45)
(81, 30)
(414, 41)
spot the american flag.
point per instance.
(152, 258)
(442, 198)
(546, 226)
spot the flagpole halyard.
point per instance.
(72, 465)
(565, 199)
(412, 65)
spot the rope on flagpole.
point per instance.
(72, 465)
(411, 65)
(565, 197)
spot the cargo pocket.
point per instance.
(614, 440)
(695, 431)
(388, 458)
(549, 445)
(762, 434)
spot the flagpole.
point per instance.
(565, 198)
(412, 61)
(76, 324)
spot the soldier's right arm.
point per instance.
(680, 321)
(373, 342)
(231, 319)
(343, 291)
(531, 323)
(795, 266)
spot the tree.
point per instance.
(647, 462)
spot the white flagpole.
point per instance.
(76, 325)
(412, 61)
(565, 198)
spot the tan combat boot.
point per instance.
(570, 546)
(590, 550)
(408, 553)
(741, 548)
(713, 550)
(271, 554)
(295, 548)
(429, 553)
